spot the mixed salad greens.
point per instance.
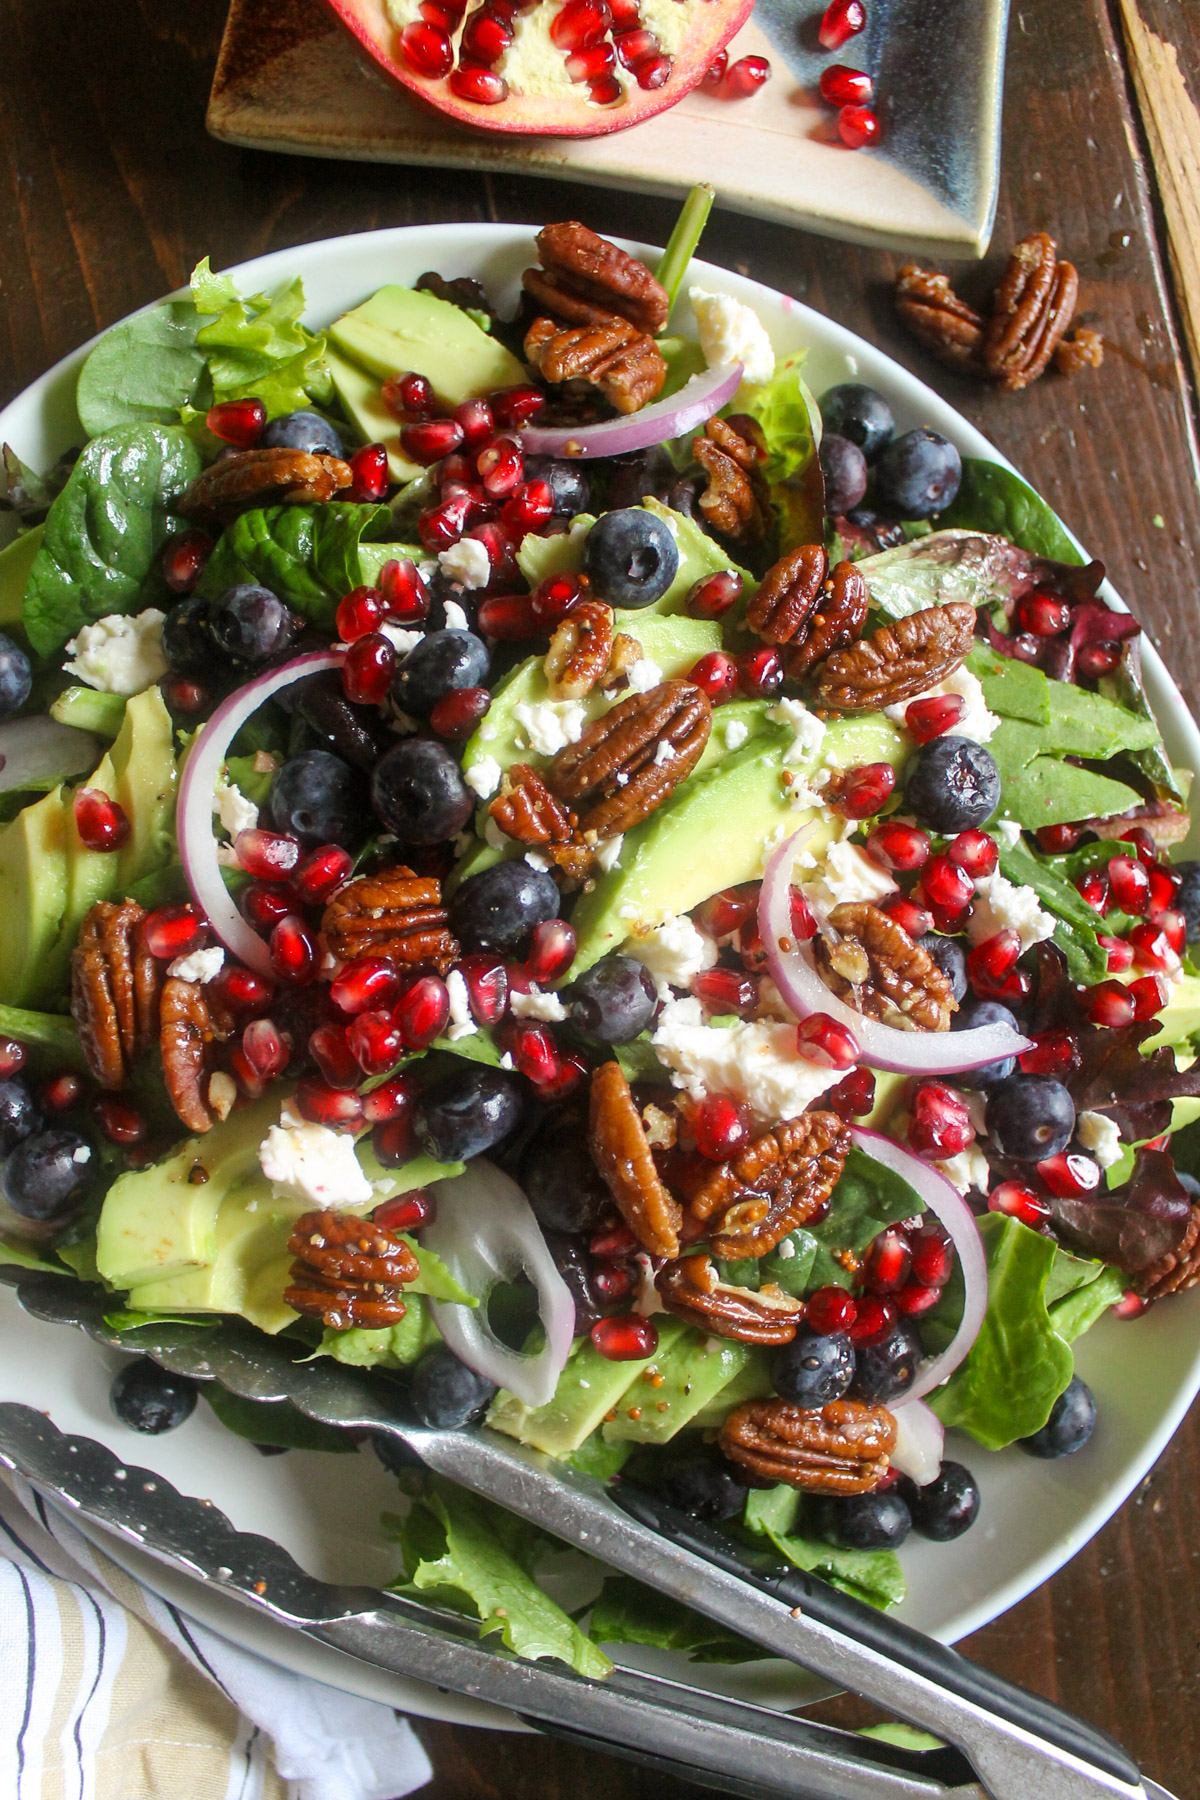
(544, 863)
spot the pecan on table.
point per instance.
(1084, 349)
(947, 327)
(611, 354)
(842, 1448)
(262, 478)
(731, 453)
(191, 1020)
(777, 1183)
(692, 1290)
(900, 660)
(348, 1271)
(1178, 1270)
(1031, 311)
(621, 1152)
(578, 267)
(875, 967)
(627, 761)
(394, 914)
(114, 990)
(580, 651)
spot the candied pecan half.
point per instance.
(691, 1289)
(837, 621)
(617, 772)
(731, 452)
(898, 661)
(788, 594)
(874, 966)
(1178, 1270)
(191, 1020)
(930, 309)
(779, 1182)
(621, 1152)
(611, 354)
(1084, 349)
(348, 1271)
(262, 478)
(580, 265)
(1031, 310)
(114, 990)
(842, 1448)
(395, 914)
(580, 651)
(527, 811)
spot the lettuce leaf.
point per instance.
(1075, 921)
(145, 371)
(786, 411)
(257, 345)
(391, 1347)
(867, 1198)
(991, 498)
(277, 1423)
(627, 1612)
(778, 1514)
(307, 555)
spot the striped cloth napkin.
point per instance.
(109, 1693)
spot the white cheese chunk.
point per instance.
(808, 731)
(608, 853)
(736, 733)
(754, 1062)
(969, 1169)
(313, 1164)
(198, 965)
(845, 873)
(462, 1023)
(546, 1007)
(119, 654)
(730, 331)
(468, 562)
(231, 806)
(551, 724)
(1101, 1136)
(1000, 905)
(643, 675)
(484, 776)
(673, 952)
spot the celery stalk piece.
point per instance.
(681, 246)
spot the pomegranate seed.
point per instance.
(896, 846)
(533, 1050)
(581, 22)
(262, 906)
(185, 697)
(932, 1257)
(751, 947)
(1093, 887)
(1107, 1004)
(375, 1042)
(12, 1057)
(440, 526)
(102, 824)
(265, 854)
(989, 962)
(428, 49)
(484, 41)
(804, 924)
(1054, 1053)
(1020, 1203)
(1143, 845)
(626, 1338)
(367, 982)
(184, 560)
(509, 618)
(915, 920)
(1069, 1175)
(1129, 884)
(1120, 954)
(404, 594)
(721, 1128)
(841, 86)
(1164, 884)
(358, 613)
(653, 71)
(501, 467)
(746, 76)
(321, 873)
(409, 395)
(887, 1263)
(529, 507)
(939, 1124)
(929, 718)
(943, 883)
(369, 470)
(320, 1104)
(422, 1012)
(1149, 995)
(830, 1309)
(487, 986)
(1130, 1305)
(861, 792)
(857, 127)
(612, 1281)
(1044, 615)
(555, 597)
(635, 45)
(367, 670)
(1094, 660)
(873, 1318)
(729, 909)
(714, 75)
(1152, 948)
(457, 713)
(119, 1119)
(842, 19)
(244, 990)
(474, 417)
(726, 991)
(1055, 840)
(172, 931)
(759, 673)
(615, 1241)
(713, 595)
(407, 1212)
(852, 1098)
(975, 852)
(61, 1092)
(393, 1140)
(265, 1048)
(238, 422)
(572, 1071)
(293, 951)
(551, 950)
(913, 1299)
(428, 440)
(715, 675)
(822, 1040)
(513, 407)
(501, 553)
(390, 1099)
(329, 1047)
(1173, 926)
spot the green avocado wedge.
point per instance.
(403, 328)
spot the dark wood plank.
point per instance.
(109, 192)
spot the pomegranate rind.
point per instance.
(534, 115)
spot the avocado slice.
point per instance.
(588, 1389)
(400, 328)
(693, 1374)
(752, 1382)
(33, 880)
(374, 422)
(16, 560)
(699, 555)
(89, 710)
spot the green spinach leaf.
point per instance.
(1048, 791)
(627, 1612)
(992, 498)
(778, 1514)
(144, 371)
(307, 555)
(866, 1198)
(1015, 690)
(276, 1422)
(1077, 922)
(1078, 1311)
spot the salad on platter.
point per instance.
(544, 862)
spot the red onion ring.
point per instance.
(946, 1204)
(194, 811)
(696, 401)
(920, 1437)
(795, 974)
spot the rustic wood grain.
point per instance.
(110, 191)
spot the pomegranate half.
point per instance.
(548, 68)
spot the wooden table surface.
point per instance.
(109, 193)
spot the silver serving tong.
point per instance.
(1008, 1743)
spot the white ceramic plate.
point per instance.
(1035, 1515)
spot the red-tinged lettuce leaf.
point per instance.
(1134, 1090)
(1132, 1226)
(973, 566)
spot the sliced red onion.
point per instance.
(696, 401)
(946, 1204)
(194, 810)
(485, 1232)
(795, 974)
(38, 750)
(920, 1437)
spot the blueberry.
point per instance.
(302, 431)
(613, 1001)
(845, 470)
(814, 1368)
(151, 1399)
(46, 1175)
(631, 478)
(946, 1506)
(186, 640)
(854, 411)
(918, 474)
(499, 907)
(984, 1012)
(467, 1113)
(561, 1182)
(566, 480)
(702, 1483)
(355, 733)
(573, 1263)
(441, 661)
(16, 676)
(320, 800)
(888, 1366)
(249, 623)
(951, 958)
(630, 558)
(446, 1395)
(394, 1453)
(1030, 1117)
(19, 1115)
(1187, 897)
(878, 1521)
(952, 783)
(1071, 1423)
(418, 791)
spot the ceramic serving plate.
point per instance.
(325, 1509)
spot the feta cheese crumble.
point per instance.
(546, 1007)
(754, 1062)
(730, 331)
(977, 722)
(231, 806)
(643, 675)
(468, 562)
(608, 853)
(400, 637)
(969, 1169)
(845, 873)
(673, 952)
(119, 654)
(1000, 905)
(736, 733)
(808, 731)
(1007, 830)
(484, 776)
(314, 1165)
(462, 1023)
(551, 724)
(664, 754)
(198, 965)
(1100, 1136)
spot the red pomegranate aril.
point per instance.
(1107, 1004)
(1044, 615)
(1092, 886)
(653, 71)
(367, 982)
(102, 824)
(428, 440)
(528, 508)
(12, 1057)
(1131, 1305)
(390, 1099)
(715, 675)
(367, 670)
(1020, 1203)
(830, 1309)
(293, 951)
(842, 86)
(238, 422)
(513, 407)
(914, 919)
(1149, 994)
(487, 986)
(119, 1119)
(581, 22)
(1164, 885)
(935, 714)
(857, 127)
(938, 1124)
(358, 613)
(746, 76)
(321, 1104)
(1128, 884)
(185, 697)
(804, 923)
(250, 1084)
(457, 713)
(635, 45)
(1056, 840)
(1142, 844)
(329, 1047)
(405, 595)
(873, 1318)
(172, 931)
(265, 1048)
(475, 416)
(409, 395)
(625, 1338)
(932, 1257)
(712, 596)
(407, 1212)
(721, 1127)
(842, 19)
(759, 673)
(485, 38)
(726, 991)
(501, 554)
(1094, 660)
(612, 1242)
(244, 990)
(852, 1098)
(555, 597)
(1120, 954)
(428, 49)
(369, 474)
(440, 526)
(184, 560)
(1054, 1053)
(508, 617)
(1152, 948)
(975, 852)
(896, 846)
(393, 1140)
(943, 883)
(612, 1281)
(571, 1073)
(551, 950)
(422, 1012)
(989, 962)
(375, 1041)
(263, 905)
(59, 1093)
(887, 1263)
(728, 910)
(265, 854)
(533, 1050)
(1173, 926)
(321, 873)
(861, 792)
(823, 1040)
(501, 467)
(714, 75)
(1070, 1175)
(914, 1299)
